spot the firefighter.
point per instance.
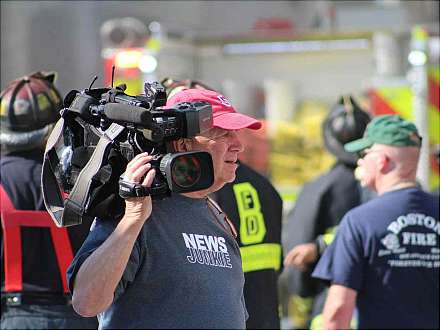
(35, 253)
(320, 206)
(255, 209)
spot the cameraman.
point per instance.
(252, 196)
(174, 263)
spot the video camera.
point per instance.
(100, 131)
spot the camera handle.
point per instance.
(129, 189)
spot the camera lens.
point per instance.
(186, 171)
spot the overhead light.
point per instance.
(147, 63)
(295, 46)
(417, 57)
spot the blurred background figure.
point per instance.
(34, 253)
(255, 209)
(319, 208)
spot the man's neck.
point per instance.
(204, 193)
(400, 184)
(196, 194)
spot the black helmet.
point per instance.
(29, 107)
(173, 86)
(346, 122)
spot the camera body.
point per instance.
(128, 125)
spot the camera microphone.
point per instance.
(127, 114)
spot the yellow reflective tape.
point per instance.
(419, 33)
(134, 85)
(434, 74)
(317, 323)
(55, 98)
(299, 310)
(400, 98)
(43, 102)
(252, 226)
(329, 235)
(154, 44)
(434, 180)
(261, 256)
(289, 196)
(434, 125)
(3, 108)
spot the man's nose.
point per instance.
(235, 142)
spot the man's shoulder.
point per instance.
(14, 165)
(367, 211)
(21, 177)
(372, 205)
(373, 210)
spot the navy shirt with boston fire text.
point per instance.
(388, 251)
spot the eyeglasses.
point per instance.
(362, 153)
(365, 152)
(216, 133)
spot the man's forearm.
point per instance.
(337, 319)
(101, 272)
(339, 307)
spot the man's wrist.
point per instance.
(320, 245)
(130, 225)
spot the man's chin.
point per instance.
(219, 184)
(230, 178)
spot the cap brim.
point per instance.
(235, 121)
(358, 145)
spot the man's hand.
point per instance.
(139, 171)
(301, 256)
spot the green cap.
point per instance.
(391, 130)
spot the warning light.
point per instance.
(147, 63)
(128, 59)
(417, 57)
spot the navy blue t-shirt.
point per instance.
(184, 272)
(388, 251)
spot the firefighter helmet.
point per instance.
(345, 122)
(173, 86)
(29, 107)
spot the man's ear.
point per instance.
(385, 164)
(181, 145)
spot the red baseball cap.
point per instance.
(223, 113)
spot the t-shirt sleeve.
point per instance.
(99, 232)
(343, 261)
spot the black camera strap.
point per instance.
(52, 195)
(71, 210)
